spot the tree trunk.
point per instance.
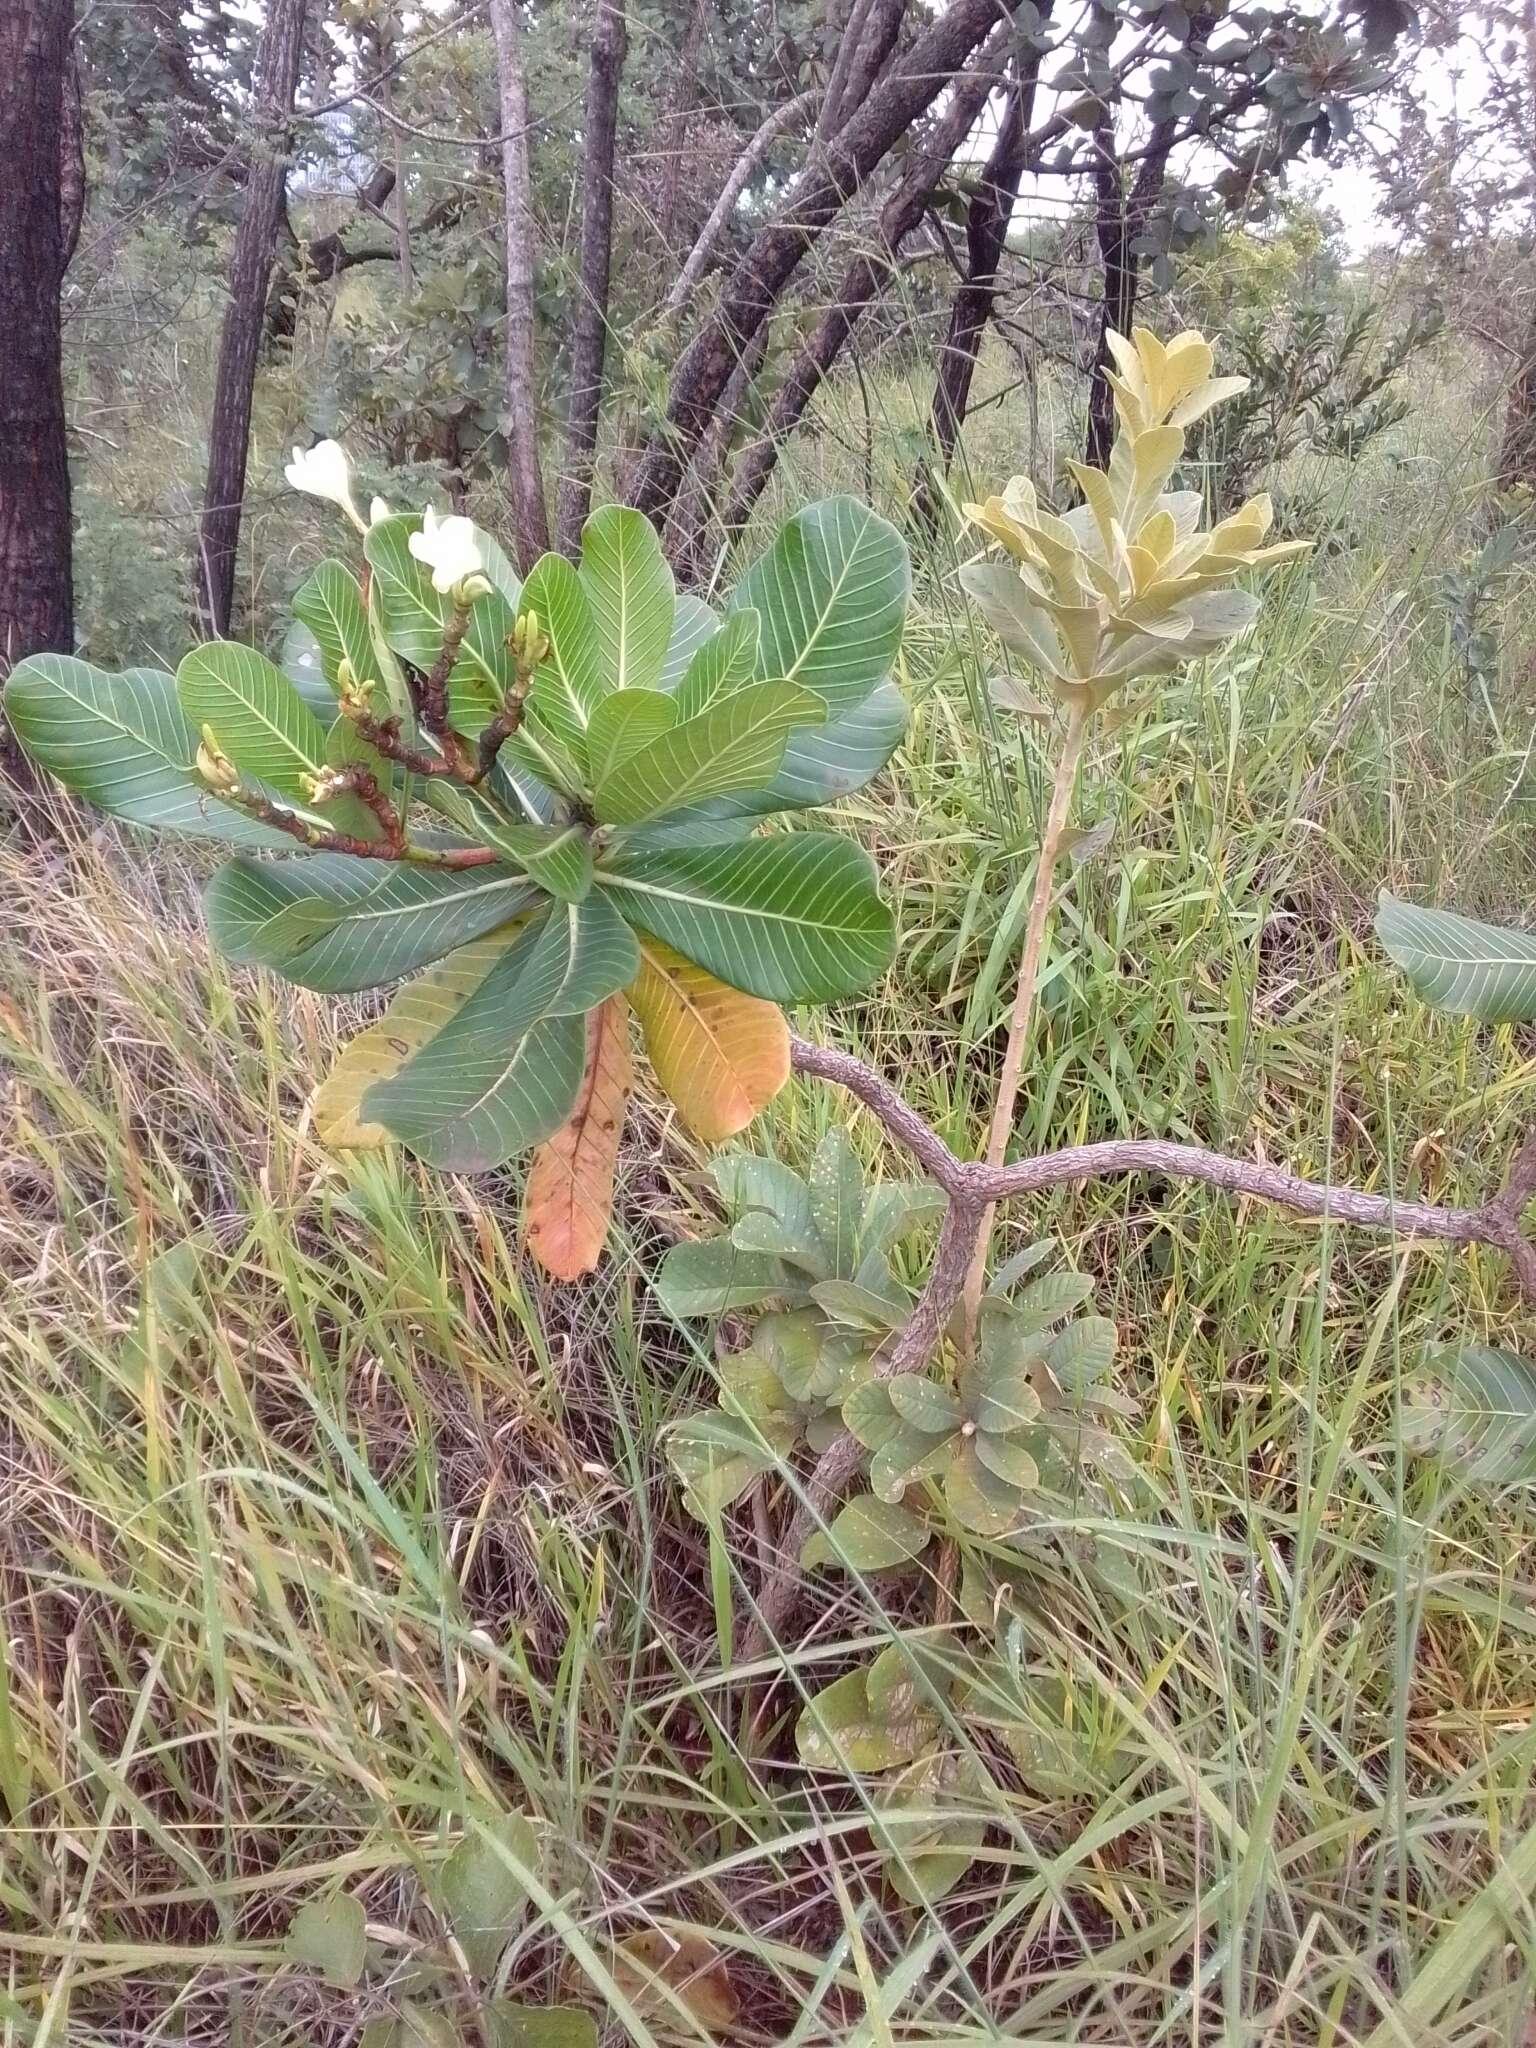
(36, 584)
(229, 428)
(862, 282)
(675, 126)
(986, 237)
(905, 94)
(1117, 223)
(525, 476)
(589, 339)
(1517, 458)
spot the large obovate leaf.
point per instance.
(1475, 1407)
(794, 919)
(336, 923)
(629, 587)
(124, 743)
(505, 1071)
(258, 717)
(720, 1055)
(735, 744)
(832, 595)
(1486, 971)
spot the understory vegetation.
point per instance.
(339, 1537)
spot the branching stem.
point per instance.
(975, 1187)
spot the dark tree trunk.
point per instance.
(1118, 220)
(525, 474)
(873, 27)
(589, 338)
(36, 584)
(986, 237)
(229, 428)
(1517, 457)
(906, 93)
(862, 282)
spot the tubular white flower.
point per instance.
(378, 510)
(324, 472)
(450, 548)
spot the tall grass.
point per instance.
(330, 1532)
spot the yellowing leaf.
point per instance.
(719, 1054)
(568, 1198)
(659, 1970)
(418, 1012)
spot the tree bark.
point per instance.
(873, 26)
(589, 338)
(1517, 457)
(525, 475)
(781, 121)
(229, 428)
(1118, 220)
(675, 126)
(905, 94)
(36, 583)
(862, 282)
(987, 220)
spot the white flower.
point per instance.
(450, 548)
(324, 472)
(379, 510)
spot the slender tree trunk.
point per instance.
(589, 340)
(867, 42)
(1517, 457)
(782, 121)
(525, 475)
(36, 586)
(675, 127)
(229, 428)
(1118, 220)
(987, 220)
(863, 281)
(902, 97)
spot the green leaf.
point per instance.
(893, 1208)
(1008, 1460)
(839, 1731)
(329, 1935)
(481, 1892)
(865, 1308)
(693, 623)
(1017, 618)
(979, 1498)
(924, 1403)
(736, 744)
(301, 663)
(1475, 1407)
(1486, 971)
(330, 603)
(748, 1180)
(832, 593)
(717, 1456)
(823, 763)
(557, 857)
(726, 662)
(504, 1072)
(538, 2026)
(256, 714)
(629, 587)
(708, 1278)
(623, 725)
(759, 1232)
(1048, 1300)
(792, 919)
(335, 923)
(867, 1535)
(124, 743)
(1083, 1353)
(931, 1820)
(569, 684)
(907, 1455)
(836, 1183)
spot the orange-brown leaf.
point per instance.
(568, 1198)
(719, 1054)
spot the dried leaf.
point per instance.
(568, 1197)
(654, 1963)
(719, 1054)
